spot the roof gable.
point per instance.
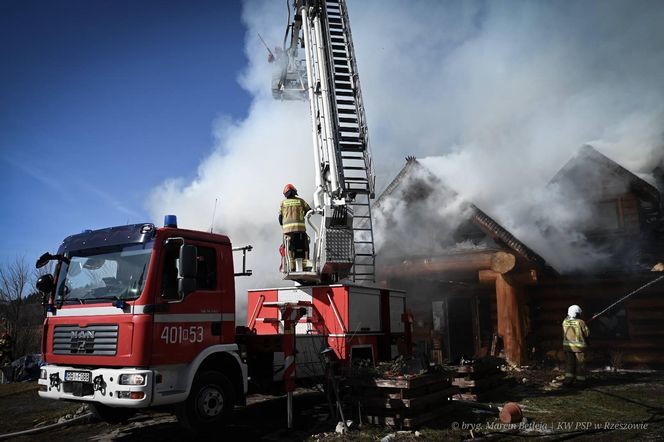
(416, 184)
(596, 176)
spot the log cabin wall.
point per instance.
(631, 335)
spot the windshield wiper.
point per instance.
(80, 300)
(113, 297)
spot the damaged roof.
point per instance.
(477, 217)
(589, 164)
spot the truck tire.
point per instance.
(209, 404)
(111, 415)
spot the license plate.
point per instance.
(78, 376)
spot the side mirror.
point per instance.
(43, 260)
(187, 269)
(45, 283)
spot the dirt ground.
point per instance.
(615, 406)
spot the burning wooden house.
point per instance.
(473, 285)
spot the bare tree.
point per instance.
(20, 309)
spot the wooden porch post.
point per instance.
(510, 310)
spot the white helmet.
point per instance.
(574, 311)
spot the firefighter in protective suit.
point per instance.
(575, 336)
(291, 218)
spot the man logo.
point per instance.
(83, 335)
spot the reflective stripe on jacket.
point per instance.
(292, 211)
(575, 332)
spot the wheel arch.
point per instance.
(225, 359)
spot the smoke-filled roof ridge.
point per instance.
(589, 153)
(498, 232)
(481, 219)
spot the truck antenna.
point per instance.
(214, 212)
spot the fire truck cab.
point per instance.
(140, 316)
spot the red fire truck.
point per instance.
(140, 317)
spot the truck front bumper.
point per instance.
(100, 385)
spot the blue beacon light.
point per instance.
(170, 221)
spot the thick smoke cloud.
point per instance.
(496, 95)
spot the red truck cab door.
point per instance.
(185, 326)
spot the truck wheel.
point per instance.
(210, 402)
(111, 415)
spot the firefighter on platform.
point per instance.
(575, 335)
(291, 217)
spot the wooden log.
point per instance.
(645, 315)
(409, 393)
(457, 263)
(411, 382)
(502, 262)
(525, 277)
(372, 402)
(645, 302)
(641, 330)
(400, 421)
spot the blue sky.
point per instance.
(100, 101)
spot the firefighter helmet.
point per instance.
(289, 188)
(574, 311)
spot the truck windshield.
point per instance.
(104, 274)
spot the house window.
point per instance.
(611, 325)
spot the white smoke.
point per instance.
(499, 94)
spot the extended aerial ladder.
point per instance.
(327, 76)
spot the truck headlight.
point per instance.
(132, 379)
(43, 374)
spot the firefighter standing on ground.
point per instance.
(291, 218)
(575, 335)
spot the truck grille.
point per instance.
(95, 340)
